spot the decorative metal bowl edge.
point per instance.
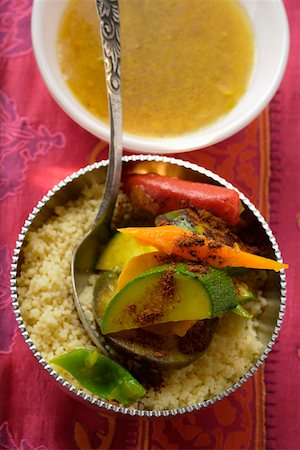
(15, 265)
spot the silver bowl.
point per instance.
(71, 187)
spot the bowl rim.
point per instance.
(142, 144)
(89, 398)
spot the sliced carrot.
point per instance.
(190, 246)
(137, 265)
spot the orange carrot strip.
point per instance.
(190, 246)
(137, 265)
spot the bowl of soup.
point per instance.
(173, 380)
(193, 74)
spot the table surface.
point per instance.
(40, 145)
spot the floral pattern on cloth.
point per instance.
(21, 144)
(15, 28)
(7, 441)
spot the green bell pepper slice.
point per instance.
(101, 375)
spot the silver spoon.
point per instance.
(86, 253)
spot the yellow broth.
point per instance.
(185, 63)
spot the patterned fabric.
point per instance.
(40, 145)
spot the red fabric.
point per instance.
(40, 145)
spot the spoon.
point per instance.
(86, 252)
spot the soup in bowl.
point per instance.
(192, 74)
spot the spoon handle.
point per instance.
(108, 12)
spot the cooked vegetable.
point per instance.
(171, 328)
(184, 218)
(244, 294)
(118, 251)
(101, 375)
(201, 222)
(190, 246)
(160, 194)
(139, 264)
(157, 344)
(104, 290)
(164, 306)
(241, 311)
(169, 293)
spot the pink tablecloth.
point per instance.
(40, 145)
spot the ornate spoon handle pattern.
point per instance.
(108, 11)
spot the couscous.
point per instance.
(48, 310)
